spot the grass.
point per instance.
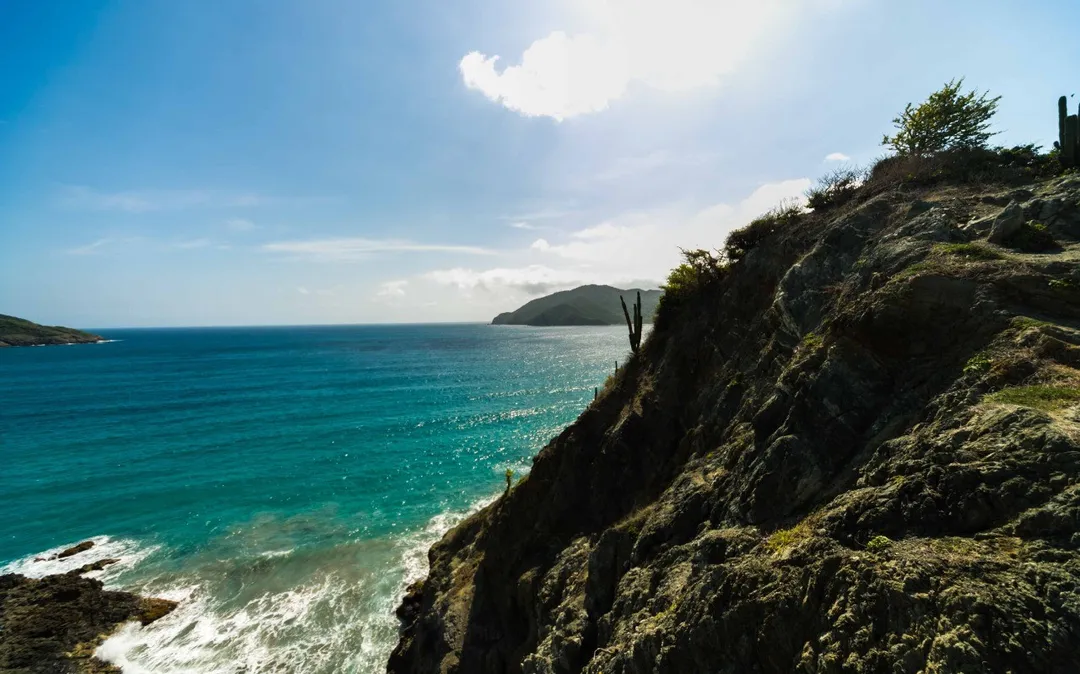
(811, 342)
(1062, 284)
(782, 539)
(1041, 397)
(971, 251)
(1025, 322)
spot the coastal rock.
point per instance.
(75, 549)
(1007, 223)
(857, 452)
(54, 624)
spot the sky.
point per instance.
(261, 162)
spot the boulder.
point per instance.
(1007, 223)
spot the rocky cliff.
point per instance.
(856, 450)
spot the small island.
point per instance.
(584, 305)
(21, 332)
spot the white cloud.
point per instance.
(145, 201)
(392, 288)
(621, 251)
(521, 225)
(533, 279)
(669, 45)
(90, 248)
(193, 243)
(837, 156)
(240, 225)
(303, 291)
(359, 248)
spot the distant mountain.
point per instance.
(586, 305)
(21, 332)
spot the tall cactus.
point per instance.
(633, 326)
(1068, 134)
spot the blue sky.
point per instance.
(286, 162)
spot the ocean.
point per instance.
(282, 483)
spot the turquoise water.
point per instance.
(284, 483)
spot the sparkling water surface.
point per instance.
(283, 483)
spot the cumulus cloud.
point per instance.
(669, 45)
(360, 248)
(392, 288)
(837, 156)
(532, 279)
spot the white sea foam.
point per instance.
(127, 551)
(294, 611)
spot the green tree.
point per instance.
(948, 120)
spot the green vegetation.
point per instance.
(634, 327)
(972, 251)
(509, 478)
(742, 241)
(1041, 397)
(1033, 237)
(21, 332)
(1062, 284)
(782, 539)
(699, 269)
(1024, 322)
(811, 342)
(947, 120)
(585, 305)
(1068, 143)
(978, 364)
(879, 544)
(835, 188)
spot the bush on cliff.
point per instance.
(947, 120)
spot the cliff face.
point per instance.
(858, 451)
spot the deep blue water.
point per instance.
(283, 482)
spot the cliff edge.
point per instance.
(853, 447)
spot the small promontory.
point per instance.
(21, 332)
(584, 305)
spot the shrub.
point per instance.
(969, 165)
(947, 120)
(879, 544)
(742, 241)
(835, 188)
(698, 269)
(978, 364)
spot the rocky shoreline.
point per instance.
(54, 624)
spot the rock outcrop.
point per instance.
(857, 451)
(54, 624)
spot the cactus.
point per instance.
(633, 326)
(1068, 134)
